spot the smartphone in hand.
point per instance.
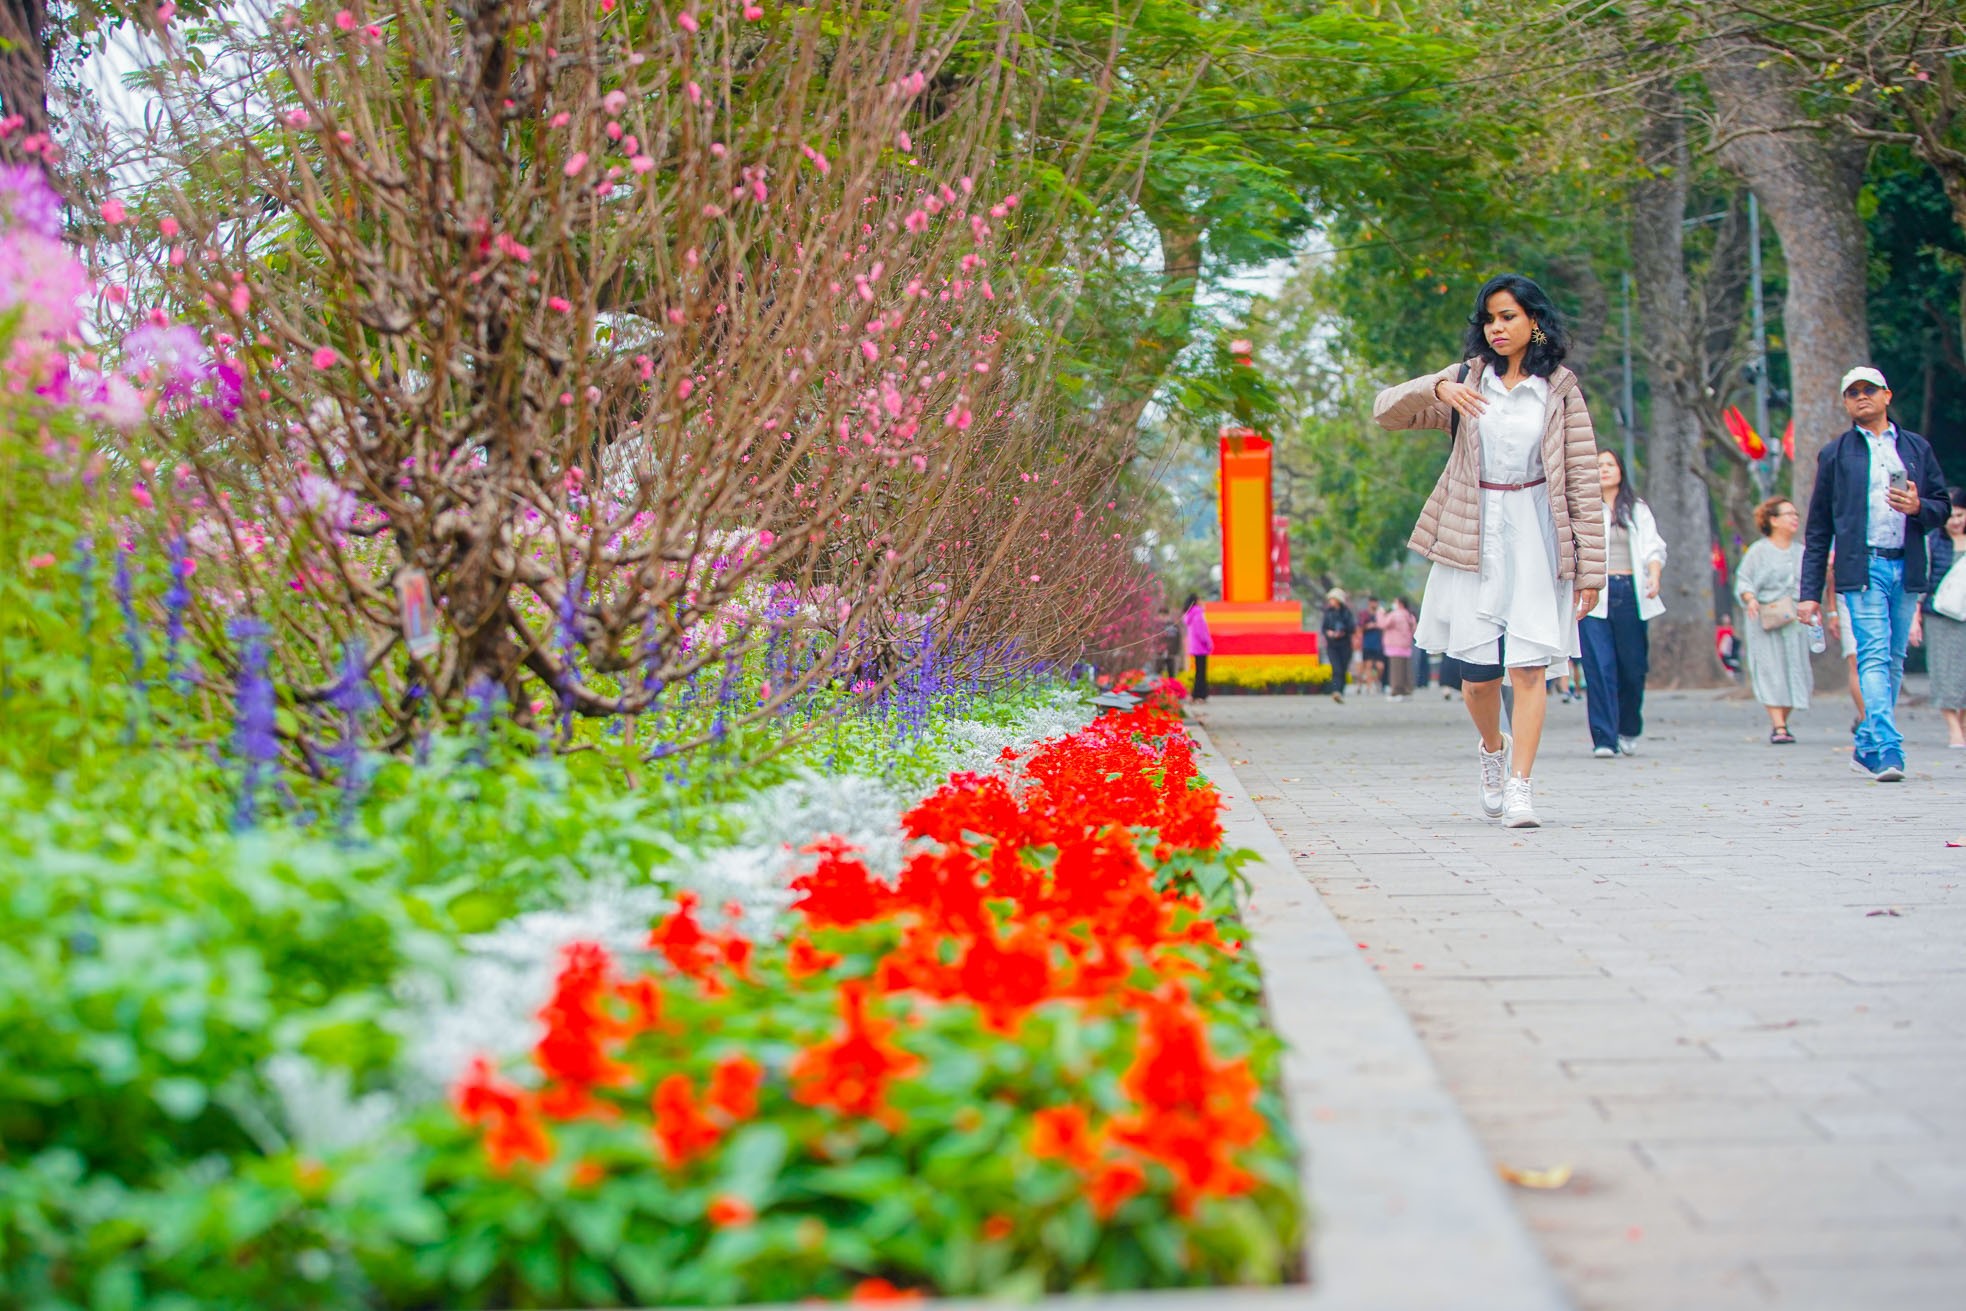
(1899, 480)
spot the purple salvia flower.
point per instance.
(354, 698)
(569, 634)
(487, 700)
(255, 739)
(85, 576)
(177, 600)
(132, 634)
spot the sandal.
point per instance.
(1781, 737)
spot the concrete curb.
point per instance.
(1406, 1209)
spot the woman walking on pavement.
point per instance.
(1396, 626)
(1335, 628)
(1514, 527)
(1201, 643)
(1945, 636)
(1778, 646)
(1616, 652)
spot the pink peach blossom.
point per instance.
(113, 212)
(326, 358)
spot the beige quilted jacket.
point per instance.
(1450, 526)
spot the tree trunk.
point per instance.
(1808, 183)
(1171, 323)
(1676, 487)
(23, 72)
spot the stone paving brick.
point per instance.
(1676, 985)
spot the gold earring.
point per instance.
(1536, 335)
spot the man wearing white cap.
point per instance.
(1878, 492)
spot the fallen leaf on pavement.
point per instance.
(1961, 842)
(1891, 911)
(1290, 780)
(1261, 796)
(1554, 1177)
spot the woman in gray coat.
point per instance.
(1778, 657)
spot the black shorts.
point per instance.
(1473, 673)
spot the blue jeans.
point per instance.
(1617, 656)
(1880, 616)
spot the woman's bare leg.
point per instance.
(1955, 726)
(1532, 699)
(1484, 702)
(1778, 716)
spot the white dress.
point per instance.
(1517, 591)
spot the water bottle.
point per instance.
(1817, 643)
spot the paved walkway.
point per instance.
(1726, 983)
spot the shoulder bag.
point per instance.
(1778, 613)
(1949, 597)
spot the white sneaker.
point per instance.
(1604, 753)
(1517, 812)
(1494, 768)
(1628, 745)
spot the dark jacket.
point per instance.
(1337, 621)
(1839, 513)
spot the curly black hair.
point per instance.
(1543, 356)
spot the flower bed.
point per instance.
(1034, 1062)
(212, 1061)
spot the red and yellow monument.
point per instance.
(1259, 633)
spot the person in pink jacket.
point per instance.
(1200, 644)
(1396, 628)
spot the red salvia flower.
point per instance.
(682, 1132)
(851, 1072)
(734, 1087)
(803, 960)
(729, 1211)
(839, 892)
(573, 1050)
(1006, 979)
(1063, 1133)
(513, 1131)
(1111, 1184)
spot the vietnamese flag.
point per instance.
(1744, 434)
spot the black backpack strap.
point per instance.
(1454, 424)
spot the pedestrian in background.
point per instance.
(1617, 653)
(1396, 632)
(1513, 527)
(1945, 635)
(1372, 648)
(1335, 628)
(1167, 661)
(1878, 492)
(1778, 645)
(1201, 644)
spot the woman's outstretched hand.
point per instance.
(1461, 397)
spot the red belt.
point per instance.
(1513, 487)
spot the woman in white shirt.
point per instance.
(1514, 527)
(1616, 652)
